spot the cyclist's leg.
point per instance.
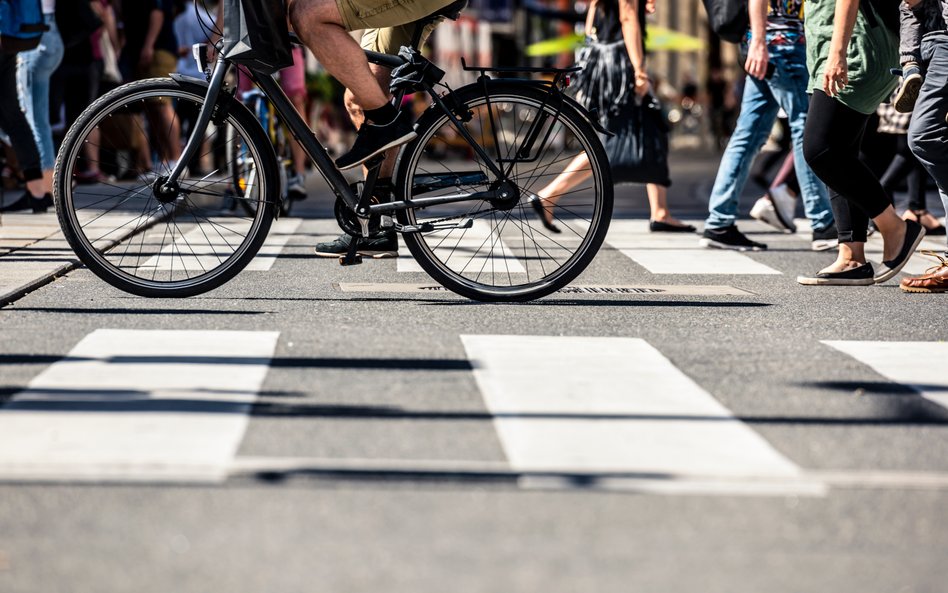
(387, 41)
(323, 25)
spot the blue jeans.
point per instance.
(34, 68)
(762, 100)
(928, 132)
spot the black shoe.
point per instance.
(824, 239)
(656, 226)
(541, 210)
(27, 202)
(372, 140)
(374, 247)
(861, 276)
(729, 238)
(914, 233)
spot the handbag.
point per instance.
(638, 151)
(256, 35)
(110, 67)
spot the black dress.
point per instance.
(638, 150)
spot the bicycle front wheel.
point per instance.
(500, 249)
(126, 228)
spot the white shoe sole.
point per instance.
(824, 244)
(810, 281)
(397, 142)
(712, 244)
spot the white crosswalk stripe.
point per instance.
(131, 405)
(919, 365)
(672, 253)
(619, 407)
(203, 247)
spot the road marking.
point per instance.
(135, 405)
(203, 247)
(919, 365)
(475, 250)
(614, 405)
(628, 290)
(677, 253)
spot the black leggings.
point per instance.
(831, 142)
(905, 166)
(14, 122)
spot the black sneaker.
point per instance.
(729, 238)
(824, 239)
(28, 202)
(372, 140)
(375, 247)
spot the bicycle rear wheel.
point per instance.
(132, 234)
(503, 251)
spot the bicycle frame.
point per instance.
(324, 164)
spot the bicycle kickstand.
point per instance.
(352, 257)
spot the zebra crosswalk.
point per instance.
(173, 406)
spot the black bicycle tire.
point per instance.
(75, 237)
(433, 117)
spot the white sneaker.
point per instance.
(764, 211)
(785, 205)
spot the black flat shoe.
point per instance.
(914, 233)
(657, 226)
(28, 202)
(537, 203)
(861, 276)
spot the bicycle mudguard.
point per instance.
(225, 100)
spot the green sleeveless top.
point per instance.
(873, 50)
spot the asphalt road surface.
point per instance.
(680, 420)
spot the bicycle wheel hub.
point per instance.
(165, 191)
(507, 195)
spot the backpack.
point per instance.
(21, 25)
(728, 18)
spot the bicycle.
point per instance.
(466, 215)
(279, 137)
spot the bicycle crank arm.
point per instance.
(427, 227)
(425, 202)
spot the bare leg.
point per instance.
(575, 173)
(658, 204)
(320, 26)
(892, 229)
(383, 77)
(849, 256)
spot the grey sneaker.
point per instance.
(375, 247)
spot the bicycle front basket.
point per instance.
(256, 35)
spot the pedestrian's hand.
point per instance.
(147, 55)
(757, 59)
(835, 76)
(642, 84)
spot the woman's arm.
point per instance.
(757, 54)
(632, 35)
(836, 75)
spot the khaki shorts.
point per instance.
(389, 24)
